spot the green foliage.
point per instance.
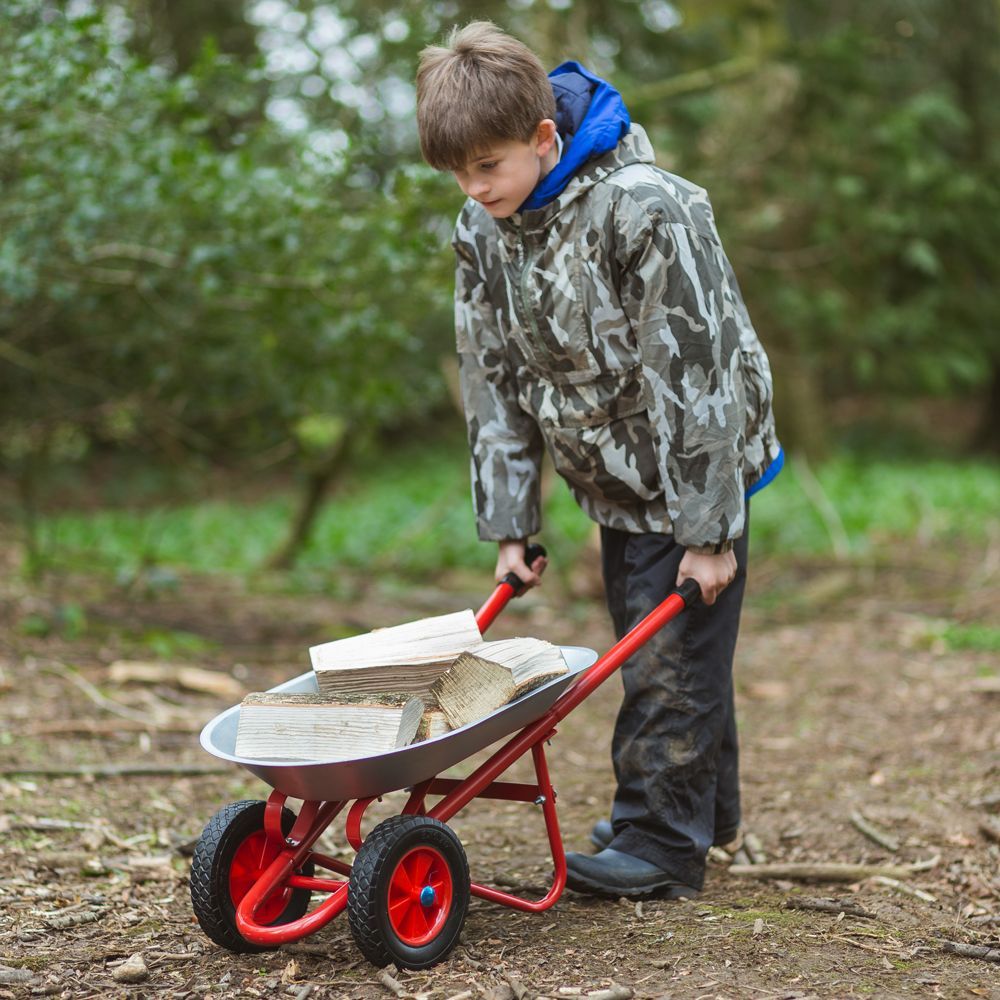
(854, 179)
(408, 513)
(981, 638)
(181, 274)
(160, 290)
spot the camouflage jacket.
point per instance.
(608, 328)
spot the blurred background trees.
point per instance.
(218, 246)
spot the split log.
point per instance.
(491, 674)
(279, 726)
(531, 662)
(471, 688)
(407, 657)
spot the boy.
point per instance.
(598, 318)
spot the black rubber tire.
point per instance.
(367, 892)
(213, 856)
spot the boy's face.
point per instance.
(501, 177)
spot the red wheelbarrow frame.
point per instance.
(295, 849)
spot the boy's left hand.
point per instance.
(713, 572)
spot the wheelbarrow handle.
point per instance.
(690, 591)
(510, 586)
(532, 552)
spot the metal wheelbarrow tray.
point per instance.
(254, 868)
(396, 769)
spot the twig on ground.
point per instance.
(113, 770)
(873, 833)
(519, 989)
(754, 849)
(827, 872)
(97, 727)
(991, 802)
(980, 951)
(893, 883)
(990, 828)
(614, 992)
(180, 675)
(828, 906)
(391, 984)
(69, 674)
(861, 944)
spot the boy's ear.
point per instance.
(545, 136)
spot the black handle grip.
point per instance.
(690, 590)
(531, 553)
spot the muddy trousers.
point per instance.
(674, 748)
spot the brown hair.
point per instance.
(482, 86)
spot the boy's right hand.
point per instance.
(510, 559)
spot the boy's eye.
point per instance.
(489, 165)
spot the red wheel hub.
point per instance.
(250, 861)
(420, 892)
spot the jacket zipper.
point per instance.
(525, 262)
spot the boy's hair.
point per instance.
(481, 87)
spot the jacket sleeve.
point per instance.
(684, 312)
(505, 442)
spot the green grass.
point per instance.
(409, 513)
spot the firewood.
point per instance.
(472, 688)
(491, 674)
(408, 657)
(434, 723)
(531, 662)
(312, 727)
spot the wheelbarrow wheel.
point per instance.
(231, 854)
(408, 893)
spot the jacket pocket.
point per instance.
(614, 460)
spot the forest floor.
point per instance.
(859, 690)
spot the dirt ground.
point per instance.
(850, 698)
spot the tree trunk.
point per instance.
(799, 406)
(317, 484)
(987, 436)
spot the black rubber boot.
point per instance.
(613, 873)
(602, 834)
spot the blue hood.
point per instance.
(591, 117)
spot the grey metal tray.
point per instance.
(387, 772)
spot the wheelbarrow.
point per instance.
(406, 894)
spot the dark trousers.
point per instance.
(675, 748)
